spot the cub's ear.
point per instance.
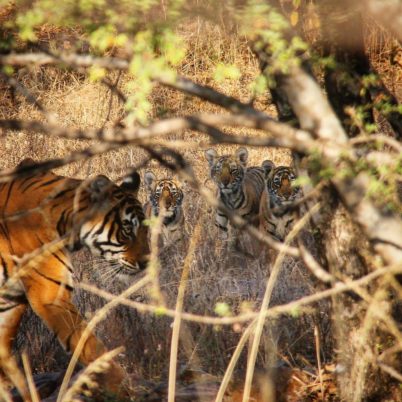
(242, 156)
(268, 167)
(150, 180)
(211, 155)
(131, 183)
(99, 187)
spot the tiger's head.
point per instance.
(166, 193)
(280, 183)
(227, 171)
(114, 227)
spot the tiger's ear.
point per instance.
(211, 155)
(242, 156)
(131, 183)
(99, 187)
(150, 181)
(268, 166)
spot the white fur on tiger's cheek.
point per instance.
(5, 316)
(92, 239)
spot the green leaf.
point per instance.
(226, 71)
(28, 22)
(222, 309)
(260, 85)
(96, 73)
(160, 311)
(302, 181)
(295, 312)
(9, 70)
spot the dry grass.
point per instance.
(216, 275)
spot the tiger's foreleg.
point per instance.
(222, 222)
(10, 319)
(49, 292)
(234, 238)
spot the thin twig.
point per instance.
(234, 359)
(318, 355)
(291, 307)
(28, 375)
(174, 347)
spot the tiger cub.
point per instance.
(279, 193)
(239, 187)
(168, 194)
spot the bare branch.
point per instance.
(112, 63)
(283, 135)
(72, 60)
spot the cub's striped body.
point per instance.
(279, 193)
(42, 218)
(167, 194)
(239, 187)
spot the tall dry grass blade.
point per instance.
(318, 354)
(267, 297)
(28, 375)
(5, 395)
(154, 264)
(98, 317)
(179, 307)
(233, 361)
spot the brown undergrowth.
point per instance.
(217, 275)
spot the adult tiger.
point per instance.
(279, 193)
(42, 218)
(165, 193)
(239, 187)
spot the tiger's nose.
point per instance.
(143, 262)
(142, 265)
(225, 180)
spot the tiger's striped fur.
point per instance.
(279, 193)
(167, 194)
(48, 216)
(239, 187)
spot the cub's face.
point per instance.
(227, 171)
(164, 193)
(281, 184)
